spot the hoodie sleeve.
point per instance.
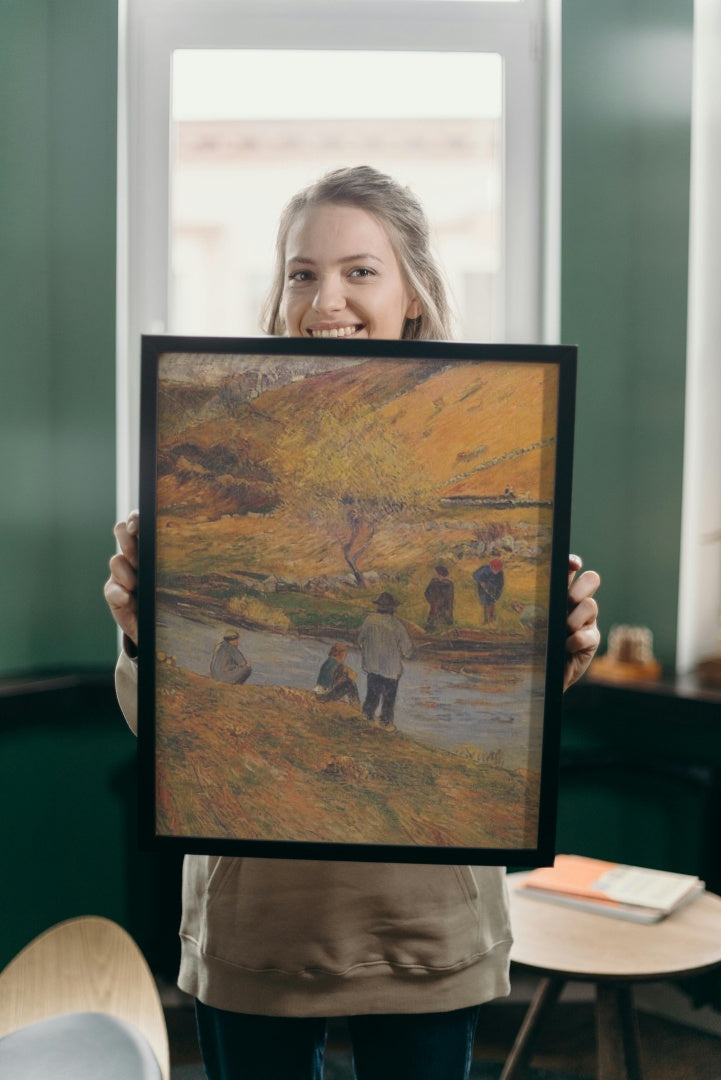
(126, 688)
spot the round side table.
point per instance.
(563, 944)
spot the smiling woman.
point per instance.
(290, 939)
(353, 259)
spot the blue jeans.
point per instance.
(414, 1046)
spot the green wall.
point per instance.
(58, 74)
(626, 145)
(68, 804)
(626, 133)
(67, 772)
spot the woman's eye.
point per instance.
(300, 276)
(362, 272)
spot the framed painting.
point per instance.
(352, 597)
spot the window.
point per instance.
(699, 624)
(227, 107)
(235, 161)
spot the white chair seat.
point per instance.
(78, 1046)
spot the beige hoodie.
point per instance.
(284, 937)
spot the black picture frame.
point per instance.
(288, 488)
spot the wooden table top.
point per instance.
(560, 940)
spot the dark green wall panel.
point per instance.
(626, 145)
(58, 78)
(26, 486)
(61, 787)
(68, 801)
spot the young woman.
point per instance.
(272, 948)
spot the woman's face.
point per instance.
(342, 277)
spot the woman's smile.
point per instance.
(335, 331)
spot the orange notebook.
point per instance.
(631, 892)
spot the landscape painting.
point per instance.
(350, 642)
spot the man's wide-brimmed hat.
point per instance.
(231, 635)
(386, 602)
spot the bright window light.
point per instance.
(238, 156)
(220, 84)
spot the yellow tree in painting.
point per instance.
(346, 476)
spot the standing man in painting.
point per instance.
(489, 583)
(384, 643)
(227, 663)
(439, 594)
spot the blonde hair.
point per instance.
(403, 217)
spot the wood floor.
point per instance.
(669, 1051)
(567, 1042)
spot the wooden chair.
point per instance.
(82, 985)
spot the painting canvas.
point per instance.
(353, 568)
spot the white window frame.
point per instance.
(699, 598)
(526, 34)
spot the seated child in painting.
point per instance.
(336, 681)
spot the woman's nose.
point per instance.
(329, 296)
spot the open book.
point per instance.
(608, 888)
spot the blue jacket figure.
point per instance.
(489, 583)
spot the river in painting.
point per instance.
(496, 708)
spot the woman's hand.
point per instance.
(121, 587)
(583, 635)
